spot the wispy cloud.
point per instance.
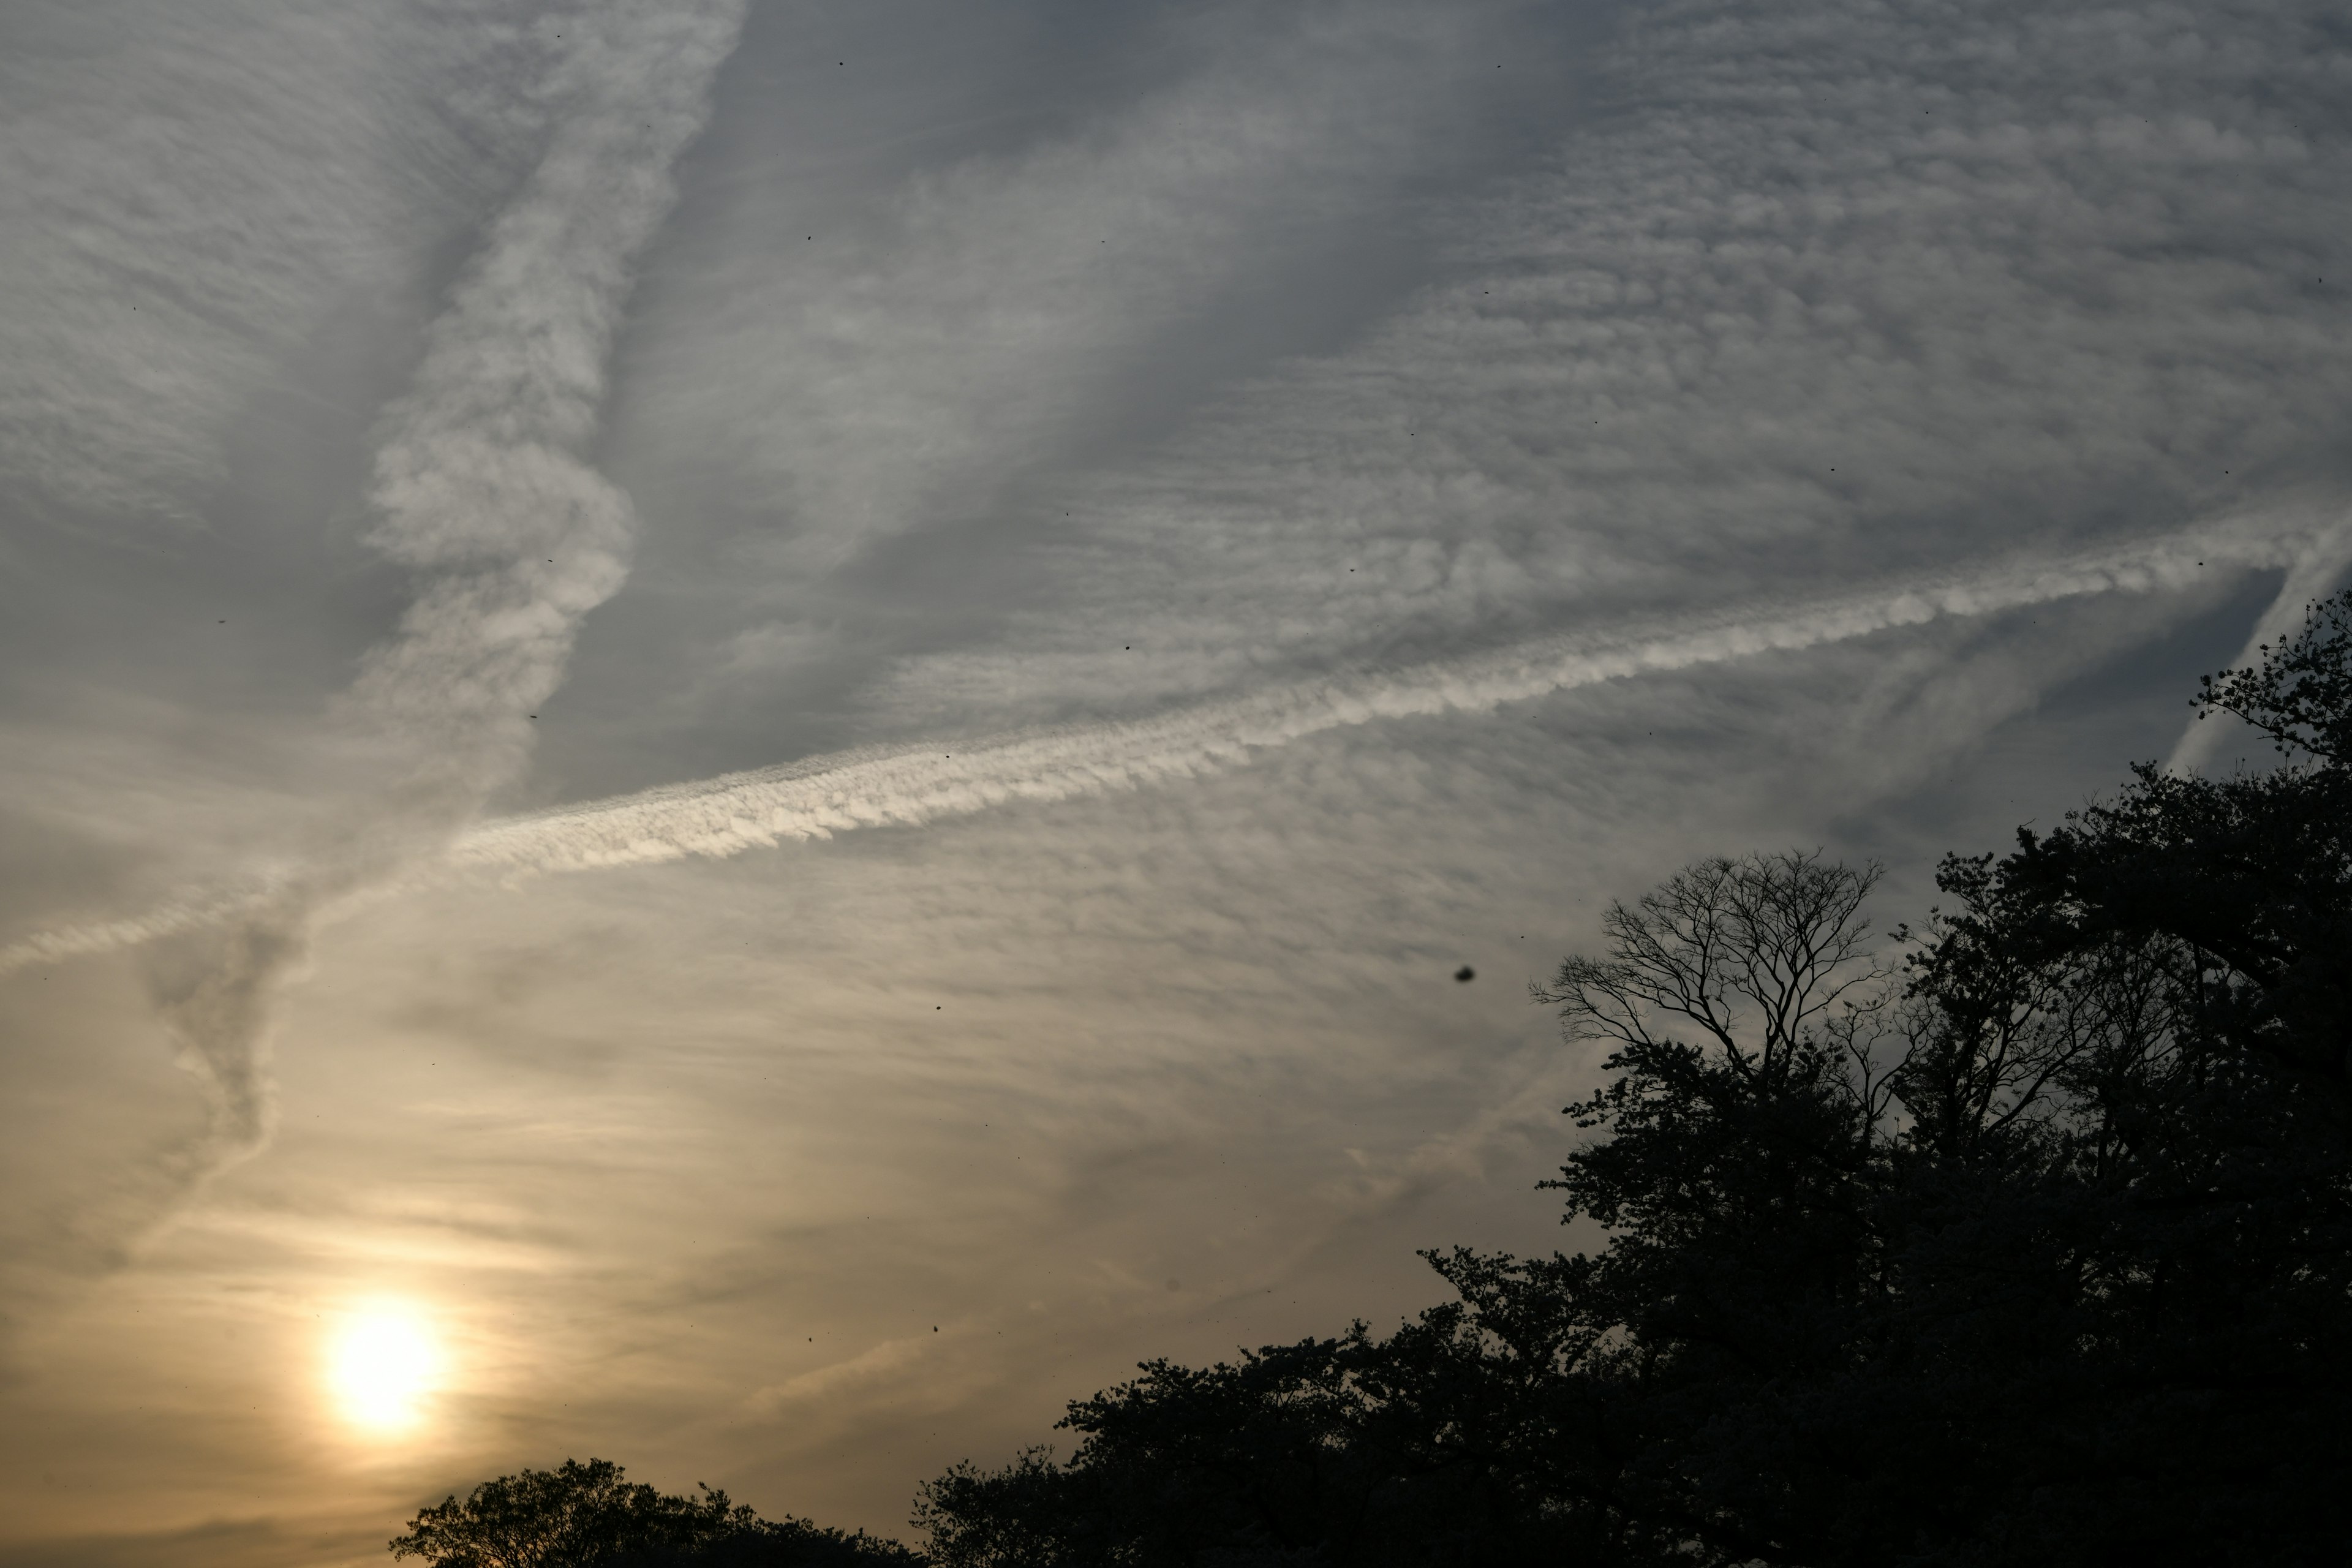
(2316, 573)
(887, 1366)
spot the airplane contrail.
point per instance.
(819, 797)
(822, 796)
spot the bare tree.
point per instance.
(1763, 956)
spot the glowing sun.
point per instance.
(383, 1366)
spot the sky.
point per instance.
(751, 735)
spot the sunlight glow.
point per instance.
(383, 1366)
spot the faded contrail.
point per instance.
(483, 486)
(818, 798)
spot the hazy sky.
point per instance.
(751, 739)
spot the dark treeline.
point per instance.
(2030, 1243)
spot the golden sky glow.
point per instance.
(1135, 436)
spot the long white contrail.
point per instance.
(818, 798)
(822, 796)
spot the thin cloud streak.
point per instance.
(816, 799)
(62, 943)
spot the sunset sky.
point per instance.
(751, 739)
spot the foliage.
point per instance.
(1346, 1449)
(775, 1543)
(589, 1516)
(2036, 1249)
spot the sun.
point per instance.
(383, 1366)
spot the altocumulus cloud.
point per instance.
(922, 351)
(1828, 292)
(1841, 293)
(189, 192)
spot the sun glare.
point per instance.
(383, 1366)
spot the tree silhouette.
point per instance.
(2036, 1249)
(589, 1516)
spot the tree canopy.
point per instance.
(2034, 1247)
(591, 1516)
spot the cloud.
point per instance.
(876, 1373)
(2315, 575)
(1746, 339)
(1567, 399)
(165, 919)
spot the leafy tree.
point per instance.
(569, 1517)
(589, 1516)
(1400, 1451)
(776, 1543)
(2036, 1249)
(2172, 966)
